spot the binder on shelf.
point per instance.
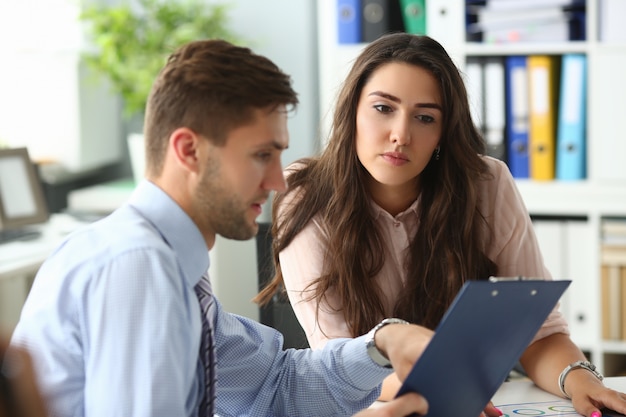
(622, 297)
(474, 81)
(379, 17)
(578, 238)
(349, 21)
(414, 16)
(578, 25)
(613, 288)
(472, 7)
(542, 70)
(444, 22)
(611, 308)
(517, 115)
(571, 126)
(494, 107)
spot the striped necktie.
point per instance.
(207, 346)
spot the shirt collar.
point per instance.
(379, 211)
(176, 227)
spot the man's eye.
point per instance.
(264, 156)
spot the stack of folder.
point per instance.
(507, 21)
(532, 112)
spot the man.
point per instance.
(113, 319)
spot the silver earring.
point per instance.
(437, 150)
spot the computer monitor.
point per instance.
(22, 201)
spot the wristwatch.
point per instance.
(372, 350)
(577, 365)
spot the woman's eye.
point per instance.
(425, 118)
(382, 108)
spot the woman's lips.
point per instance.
(395, 158)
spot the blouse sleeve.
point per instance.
(514, 247)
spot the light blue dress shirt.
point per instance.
(114, 327)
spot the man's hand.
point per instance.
(403, 344)
(19, 384)
(398, 407)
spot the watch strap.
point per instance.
(373, 352)
(577, 365)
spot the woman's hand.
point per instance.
(491, 411)
(546, 358)
(589, 396)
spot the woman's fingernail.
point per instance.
(501, 413)
(596, 414)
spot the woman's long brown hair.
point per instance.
(447, 249)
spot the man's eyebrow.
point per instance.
(397, 100)
(273, 144)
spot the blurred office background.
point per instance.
(51, 104)
(73, 126)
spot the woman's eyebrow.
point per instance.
(395, 99)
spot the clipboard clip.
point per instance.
(517, 278)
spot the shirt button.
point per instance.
(396, 224)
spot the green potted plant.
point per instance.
(132, 42)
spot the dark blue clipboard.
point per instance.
(478, 341)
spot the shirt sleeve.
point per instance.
(514, 246)
(257, 377)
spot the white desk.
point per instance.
(524, 391)
(19, 262)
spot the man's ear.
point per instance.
(185, 144)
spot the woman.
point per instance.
(402, 207)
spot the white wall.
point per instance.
(48, 101)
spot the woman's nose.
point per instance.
(401, 132)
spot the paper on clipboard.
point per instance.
(478, 341)
(555, 408)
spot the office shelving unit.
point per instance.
(568, 215)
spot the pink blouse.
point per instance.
(513, 248)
